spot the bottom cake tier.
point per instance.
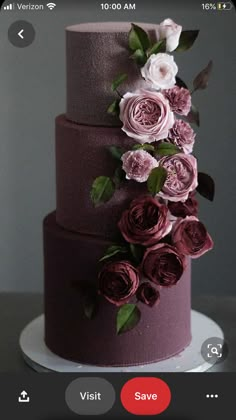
(71, 266)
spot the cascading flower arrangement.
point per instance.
(160, 229)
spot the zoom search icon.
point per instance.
(214, 350)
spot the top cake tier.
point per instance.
(96, 54)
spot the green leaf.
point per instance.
(180, 83)
(102, 190)
(137, 252)
(156, 48)
(156, 180)
(166, 149)
(138, 38)
(117, 82)
(186, 40)
(193, 116)
(146, 146)
(119, 176)
(206, 186)
(114, 108)
(139, 56)
(127, 318)
(116, 152)
(112, 251)
(201, 80)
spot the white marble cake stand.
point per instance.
(41, 359)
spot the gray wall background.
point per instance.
(32, 93)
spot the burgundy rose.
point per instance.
(145, 222)
(181, 176)
(191, 237)
(163, 264)
(146, 115)
(182, 135)
(187, 208)
(118, 282)
(179, 99)
(147, 294)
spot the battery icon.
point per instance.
(224, 5)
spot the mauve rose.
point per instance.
(182, 135)
(181, 176)
(170, 31)
(187, 208)
(179, 99)
(138, 164)
(145, 222)
(146, 115)
(191, 237)
(160, 71)
(147, 294)
(163, 264)
(118, 282)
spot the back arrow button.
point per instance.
(20, 33)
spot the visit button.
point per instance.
(145, 396)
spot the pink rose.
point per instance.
(163, 264)
(145, 222)
(138, 164)
(170, 31)
(147, 294)
(191, 237)
(179, 99)
(160, 71)
(187, 208)
(182, 135)
(118, 282)
(181, 176)
(146, 115)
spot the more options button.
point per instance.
(145, 396)
(90, 396)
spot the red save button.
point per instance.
(145, 396)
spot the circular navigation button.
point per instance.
(90, 396)
(145, 396)
(21, 34)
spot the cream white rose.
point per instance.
(160, 70)
(170, 31)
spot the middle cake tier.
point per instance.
(82, 155)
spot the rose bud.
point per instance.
(147, 294)
(118, 282)
(182, 176)
(145, 222)
(191, 237)
(163, 264)
(187, 208)
(146, 115)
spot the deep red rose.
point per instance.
(191, 237)
(163, 264)
(187, 208)
(145, 222)
(118, 282)
(147, 294)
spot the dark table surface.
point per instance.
(17, 310)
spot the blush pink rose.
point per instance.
(190, 237)
(145, 222)
(181, 176)
(163, 264)
(182, 135)
(118, 282)
(146, 115)
(138, 164)
(148, 294)
(170, 31)
(179, 99)
(187, 208)
(160, 71)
